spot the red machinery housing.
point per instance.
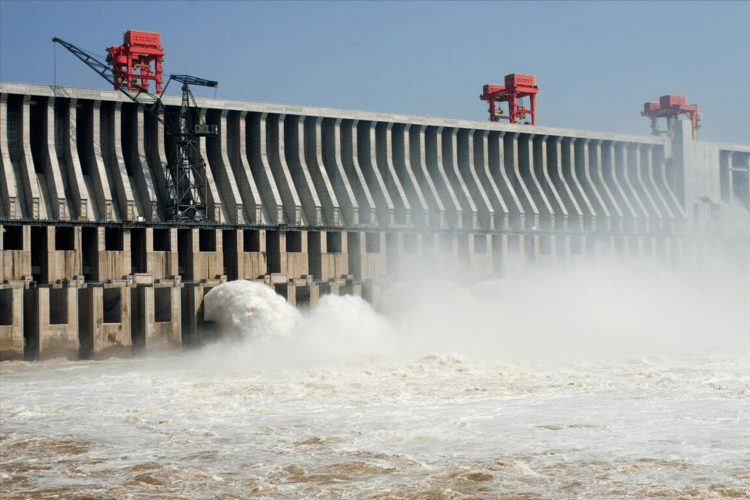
(131, 62)
(516, 87)
(671, 107)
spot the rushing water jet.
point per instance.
(249, 310)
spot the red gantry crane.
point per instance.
(516, 87)
(131, 61)
(671, 107)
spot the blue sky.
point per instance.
(595, 63)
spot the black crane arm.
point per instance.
(104, 70)
(193, 80)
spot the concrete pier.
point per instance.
(316, 201)
(105, 321)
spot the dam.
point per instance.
(312, 201)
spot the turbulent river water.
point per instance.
(587, 384)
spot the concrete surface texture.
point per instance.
(313, 201)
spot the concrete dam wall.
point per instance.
(313, 201)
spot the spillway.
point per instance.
(313, 201)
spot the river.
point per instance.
(585, 384)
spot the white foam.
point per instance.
(263, 331)
(563, 315)
(250, 310)
(344, 327)
(342, 401)
(559, 316)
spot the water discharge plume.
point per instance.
(437, 316)
(344, 328)
(550, 316)
(607, 309)
(250, 310)
(263, 331)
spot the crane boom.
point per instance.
(87, 58)
(193, 80)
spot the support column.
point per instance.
(517, 183)
(367, 148)
(466, 159)
(25, 162)
(15, 253)
(252, 253)
(584, 174)
(384, 156)
(94, 162)
(313, 130)
(260, 151)
(367, 255)
(545, 163)
(639, 214)
(216, 209)
(196, 331)
(498, 165)
(157, 316)
(294, 148)
(350, 160)
(571, 210)
(569, 173)
(63, 260)
(457, 181)
(11, 321)
(328, 255)
(246, 182)
(83, 200)
(104, 317)
(290, 199)
(436, 170)
(221, 167)
(402, 146)
(52, 321)
(52, 168)
(117, 168)
(331, 151)
(11, 205)
(418, 150)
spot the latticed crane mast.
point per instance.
(186, 179)
(186, 170)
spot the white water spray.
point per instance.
(348, 402)
(561, 316)
(250, 310)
